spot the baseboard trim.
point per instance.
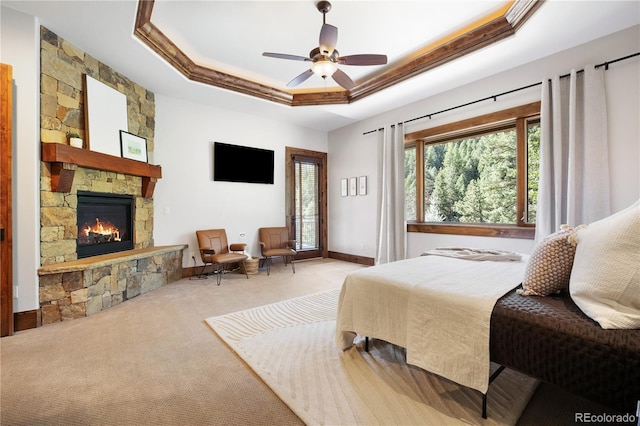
(26, 320)
(362, 260)
(189, 271)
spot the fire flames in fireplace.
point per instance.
(105, 223)
(101, 232)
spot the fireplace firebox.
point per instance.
(105, 223)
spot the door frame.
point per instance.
(6, 172)
(321, 157)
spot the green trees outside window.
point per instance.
(475, 176)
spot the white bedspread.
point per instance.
(438, 308)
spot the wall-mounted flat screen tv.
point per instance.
(235, 163)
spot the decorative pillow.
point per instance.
(549, 266)
(605, 281)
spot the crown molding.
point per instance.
(476, 37)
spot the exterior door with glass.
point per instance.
(306, 201)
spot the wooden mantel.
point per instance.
(65, 159)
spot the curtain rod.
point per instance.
(494, 97)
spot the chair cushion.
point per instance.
(228, 257)
(279, 252)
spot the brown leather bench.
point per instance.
(549, 338)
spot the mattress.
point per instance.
(551, 339)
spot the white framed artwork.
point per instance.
(353, 186)
(133, 146)
(344, 188)
(105, 116)
(362, 185)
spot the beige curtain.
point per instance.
(392, 228)
(574, 152)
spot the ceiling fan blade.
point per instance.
(328, 39)
(365, 59)
(301, 78)
(343, 79)
(285, 56)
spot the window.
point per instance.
(475, 177)
(307, 218)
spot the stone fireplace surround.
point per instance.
(72, 288)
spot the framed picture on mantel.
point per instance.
(133, 147)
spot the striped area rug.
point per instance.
(290, 345)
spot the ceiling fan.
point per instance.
(325, 57)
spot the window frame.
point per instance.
(517, 117)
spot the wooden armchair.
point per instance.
(215, 250)
(275, 242)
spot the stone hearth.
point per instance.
(86, 286)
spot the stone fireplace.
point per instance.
(77, 281)
(91, 261)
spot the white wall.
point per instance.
(20, 48)
(352, 216)
(352, 220)
(187, 199)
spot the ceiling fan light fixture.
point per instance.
(325, 58)
(324, 69)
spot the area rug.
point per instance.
(291, 346)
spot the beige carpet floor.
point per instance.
(153, 360)
(291, 346)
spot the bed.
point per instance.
(437, 307)
(456, 316)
